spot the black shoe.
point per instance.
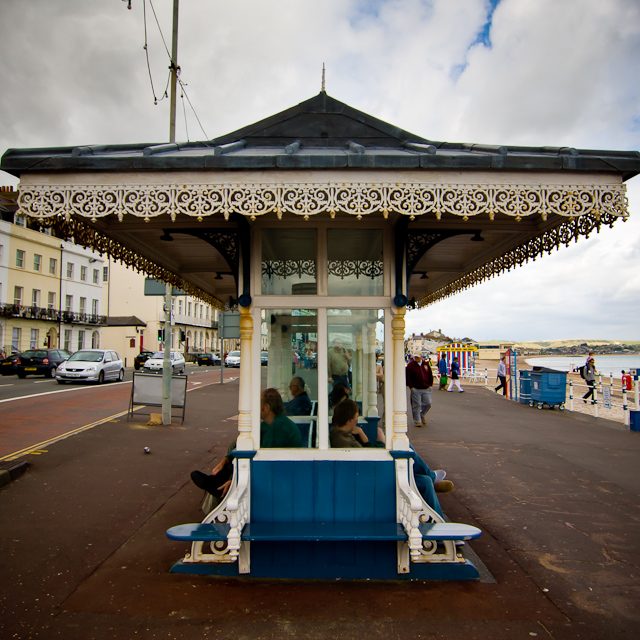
(204, 482)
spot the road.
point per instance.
(37, 411)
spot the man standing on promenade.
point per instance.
(339, 360)
(419, 380)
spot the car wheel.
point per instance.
(52, 372)
(22, 375)
(136, 366)
(101, 377)
(121, 375)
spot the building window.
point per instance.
(96, 276)
(83, 273)
(69, 270)
(35, 298)
(19, 220)
(37, 262)
(105, 274)
(67, 340)
(20, 258)
(207, 313)
(95, 340)
(15, 338)
(51, 302)
(53, 266)
(17, 295)
(80, 340)
(179, 307)
(94, 307)
(83, 305)
(68, 303)
(189, 309)
(33, 343)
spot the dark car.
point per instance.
(9, 366)
(141, 358)
(208, 359)
(41, 362)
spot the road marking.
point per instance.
(38, 448)
(6, 385)
(49, 393)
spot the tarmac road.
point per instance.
(556, 494)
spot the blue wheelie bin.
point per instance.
(549, 387)
(525, 386)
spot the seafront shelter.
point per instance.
(322, 225)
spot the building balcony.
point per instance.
(50, 315)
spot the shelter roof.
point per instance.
(319, 133)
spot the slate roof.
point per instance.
(319, 133)
(125, 321)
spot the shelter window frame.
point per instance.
(322, 302)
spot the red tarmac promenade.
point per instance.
(84, 552)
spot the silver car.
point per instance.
(91, 365)
(156, 362)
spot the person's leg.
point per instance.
(415, 406)
(426, 404)
(424, 484)
(211, 483)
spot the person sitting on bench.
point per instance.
(276, 432)
(300, 404)
(340, 392)
(345, 433)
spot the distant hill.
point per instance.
(555, 344)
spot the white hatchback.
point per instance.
(232, 359)
(91, 365)
(155, 363)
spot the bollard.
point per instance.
(625, 407)
(486, 377)
(570, 395)
(595, 400)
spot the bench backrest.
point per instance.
(323, 491)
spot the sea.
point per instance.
(606, 365)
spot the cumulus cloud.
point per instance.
(529, 72)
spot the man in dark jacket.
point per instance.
(419, 380)
(300, 403)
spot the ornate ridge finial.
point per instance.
(323, 90)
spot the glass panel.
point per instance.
(289, 343)
(356, 339)
(289, 261)
(355, 262)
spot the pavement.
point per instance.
(84, 552)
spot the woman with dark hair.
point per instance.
(339, 393)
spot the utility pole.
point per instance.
(167, 369)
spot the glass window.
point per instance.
(96, 275)
(180, 307)
(51, 302)
(94, 307)
(35, 298)
(289, 261)
(355, 338)
(67, 339)
(95, 340)
(83, 305)
(17, 295)
(355, 264)
(69, 303)
(16, 333)
(290, 365)
(33, 342)
(70, 270)
(105, 274)
(37, 262)
(80, 340)
(53, 265)
(19, 258)
(83, 273)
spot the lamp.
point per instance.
(477, 237)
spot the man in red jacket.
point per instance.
(419, 380)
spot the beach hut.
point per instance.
(465, 353)
(320, 225)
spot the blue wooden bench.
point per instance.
(325, 519)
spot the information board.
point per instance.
(146, 389)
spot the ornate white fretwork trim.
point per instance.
(355, 199)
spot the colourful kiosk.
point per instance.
(320, 224)
(465, 353)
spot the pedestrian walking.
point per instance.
(419, 379)
(443, 370)
(502, 376)
(455, 376)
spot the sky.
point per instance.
(504, 72)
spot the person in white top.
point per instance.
(502, 376)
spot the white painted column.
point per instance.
(357, 365)
(245, 440)
(370, 377)
(400, 437)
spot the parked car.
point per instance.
(155, 363)
(232, 359)
(264, 358)
(91, 365)
(141, 358)
(208, 359)
(9, 366)
(40, 362)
